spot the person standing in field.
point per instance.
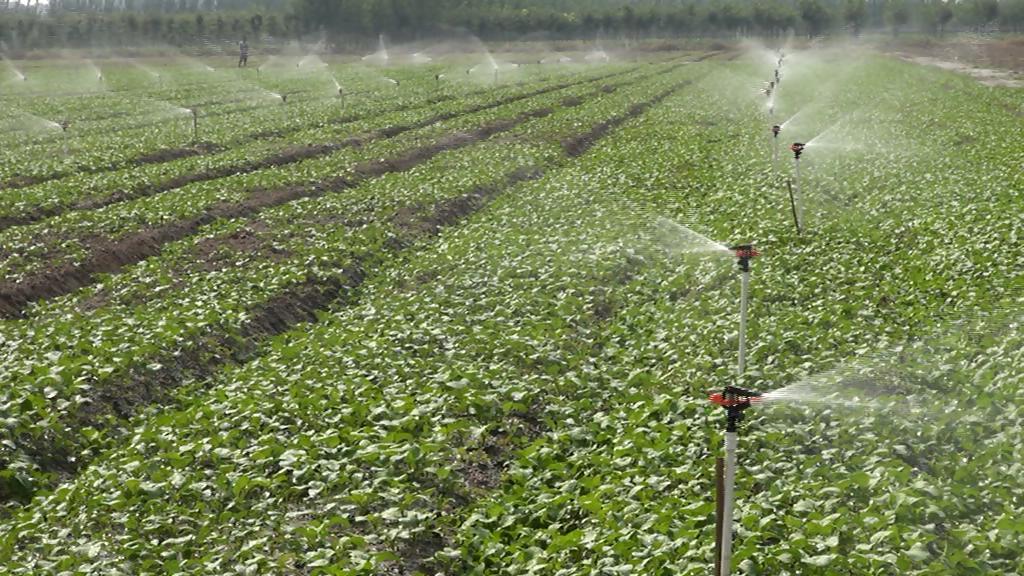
(243, 53)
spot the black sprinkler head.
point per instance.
(735, 400)
(64, 125)
(776, 129)
(798, 149)
(744, 254)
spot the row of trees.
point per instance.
(24, 24)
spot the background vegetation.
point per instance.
(347, 23)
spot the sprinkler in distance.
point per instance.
(744, 254)
(776, 129)
(64, 125)
(798, 150)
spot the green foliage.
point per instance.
(522, 390)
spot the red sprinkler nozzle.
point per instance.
(744, 254)
(735, 400)
(798, 149)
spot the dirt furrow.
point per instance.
(107, 257)
(289, 156)
(175, 153)
(301, 304)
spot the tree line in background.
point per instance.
(26, 24)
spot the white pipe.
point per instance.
(727, 506)
(799, 200)
(744, 297)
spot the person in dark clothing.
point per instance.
(243, 53)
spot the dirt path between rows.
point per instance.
(109, 257)
(301, 303)
(986, 76)
(289, 156)
(200, 149)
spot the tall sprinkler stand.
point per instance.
(64, 125)
(195, 124)
(744, 254)
(778, 78)
(495, 76)
(798, 150)
(284, 98)
(792, 206)
(775, 144)
(734, 400)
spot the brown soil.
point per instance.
(991, 62)
(108, 257)
(143, 386)
(220, 252)
(581, 143)
(156, 157)
(288, 156)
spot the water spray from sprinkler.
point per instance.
(734, 400)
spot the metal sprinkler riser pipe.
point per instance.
(735, 400)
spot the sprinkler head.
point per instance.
(735, 400)
(744, 254)
(776, 129)
(798, 149)
(64, 125)
(284, 98)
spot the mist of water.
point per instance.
(677, 239)
(381, 56)
(13, 69)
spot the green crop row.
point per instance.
(526, 394)
(123, 329)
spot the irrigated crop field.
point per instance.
(449, 321)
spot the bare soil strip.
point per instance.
(200, 149)
(109, 257)
(289, 156)
(300, 304)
